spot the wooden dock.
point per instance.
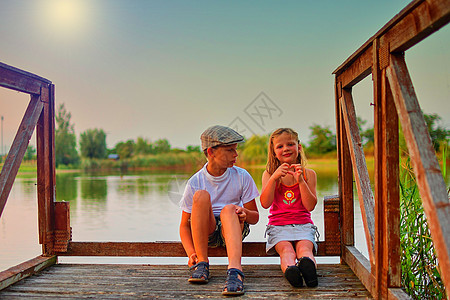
(379, 275)
(170, 282)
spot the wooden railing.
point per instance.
(394, 100)
(382, 56)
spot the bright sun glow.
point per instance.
(66, 17)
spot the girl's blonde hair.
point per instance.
(272, 161)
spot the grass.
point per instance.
(420, 271)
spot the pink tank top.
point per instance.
(287, 207)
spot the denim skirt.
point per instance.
(291, 233)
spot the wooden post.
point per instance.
(46, 170)
(387, 270)
(345, 174)
(332, 226)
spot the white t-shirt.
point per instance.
(235, 186)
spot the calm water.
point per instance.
(126, 207)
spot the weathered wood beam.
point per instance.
(18, 148)
(19, 80)
(425, 165)
(364, 189)
(414, 23)
(345, 174)
(46, 171)
(360, 266)
(24, 270)
(160, 249)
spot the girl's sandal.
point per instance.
(308, 269)
(199, 273)
(294, 276)
(234, 286)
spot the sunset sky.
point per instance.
(170, 69)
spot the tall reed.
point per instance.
(420, 271)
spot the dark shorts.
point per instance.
(216, 238)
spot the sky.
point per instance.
(170, 69)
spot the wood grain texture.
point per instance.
(429, 178)
(170, 282)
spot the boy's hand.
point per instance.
(240, 211)
(192, 259)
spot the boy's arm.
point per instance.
(186, 237)
(251, 210)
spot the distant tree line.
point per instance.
(92, 142)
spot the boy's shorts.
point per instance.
(291, 233)
(216, 238)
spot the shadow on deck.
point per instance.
(170, 282)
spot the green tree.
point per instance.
(30, 153)
(93, 143)
(125, 149)
(322, 140)
(65, 139)
(161, 146)
(438, 134)
(142, 146)
(191, 148)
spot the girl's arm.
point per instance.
(269, 184)
(186, 238)
(307, 188)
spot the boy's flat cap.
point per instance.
(219, 135)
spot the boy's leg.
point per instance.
(287, 254)
(232, 233)
(203, 223)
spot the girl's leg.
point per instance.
(307, 263)
(305, 248)
(287, 254)
(203, 223)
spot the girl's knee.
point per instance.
(285, 248)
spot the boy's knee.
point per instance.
(228, 210)
(201, 196)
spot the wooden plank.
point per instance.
(170, 282)
(391, 194)
(160, 249)
(365, 195)
(357, 71)
(345, 174)
(26, 269)
(360, 266)
(46, 171)
(426, 168)
(22, 81)
(18, 149)
(415, 22)
(397, 294)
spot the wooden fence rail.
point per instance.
(394, 99)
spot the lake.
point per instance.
(133, 206)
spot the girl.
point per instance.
(289, 189)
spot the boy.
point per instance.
(218, 205)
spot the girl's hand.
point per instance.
(281, 171)
(240, 211)
(192, 259)
(298, 173)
